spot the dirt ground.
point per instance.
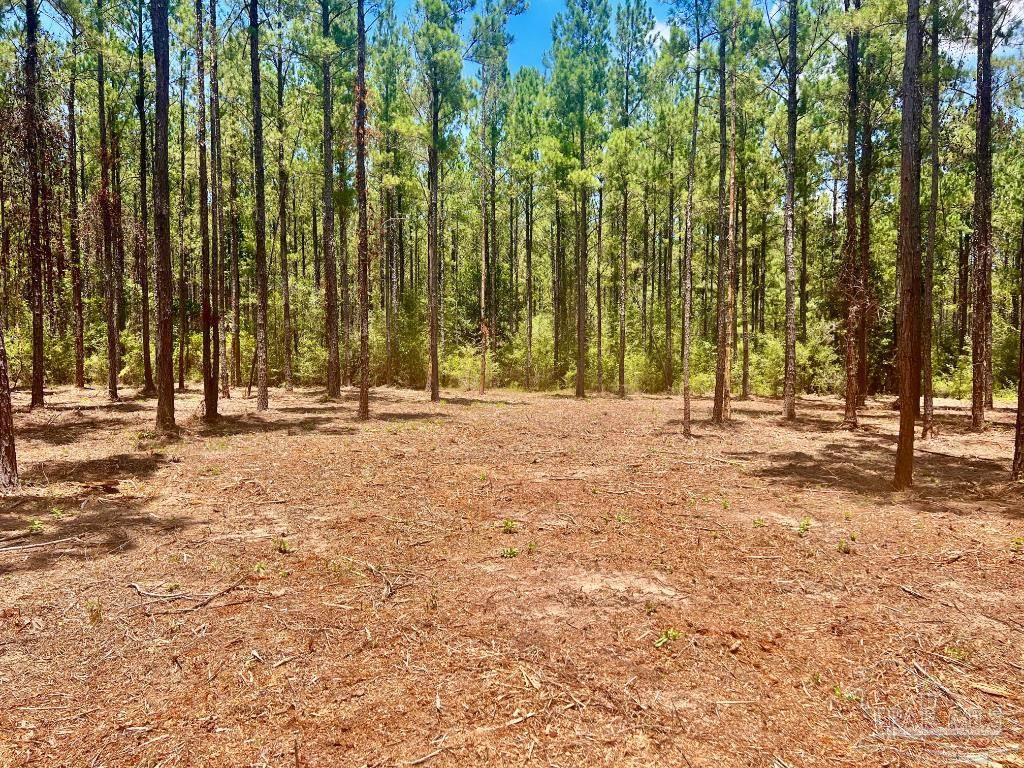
(506, 579)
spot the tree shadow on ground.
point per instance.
(863, 463)
(65, 433)
(399, 416)
(328, 406)
(100, 519)
(107, 468)
(83, 527)
(128, 405)
(229, 426)
(462, 400)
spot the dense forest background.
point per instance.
(623, 218)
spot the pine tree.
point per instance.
(981, 344)
(631, 61)
(909, 243)
(438, 52)
(580, 53)
(162, 220)
(260, 361)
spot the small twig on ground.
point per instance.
(934, 681)
(912, 592)
(209, 598)
(39, 544)
(430, 755)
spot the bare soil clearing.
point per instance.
(298, 588)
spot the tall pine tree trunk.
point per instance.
(789, 375)
(432, 230)
(483, 258)
(220, 237)
(33, 150)
(148, 387)
(262, 397)
(670, 241)
(236, 282)
(110, 294)
(981, 340)
(363, 246)
(623, 283)
(909, 249)
(851, 283)
(282, 214)
(8, 454)
(864, 243)
(687, 276)
(327, 201)
(529, 283)
(182, 251)
(210, 392)
(929, 261)
(162, 221)
(598, 295)
(581, 271)
(745, 320)
(721, 408)
(1018, 449)
(77, 305)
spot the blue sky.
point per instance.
(531, 31)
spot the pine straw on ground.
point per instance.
(506, 579)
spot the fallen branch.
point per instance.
(429, 755)
(20, 547)
(209, 599)
(912, 592)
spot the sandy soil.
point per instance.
(506, 579)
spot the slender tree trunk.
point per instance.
(851, 271)
(364, 255)
(220, 238)
(262, 397)
(182, 252)
(745, 321)
(670, 242)
(789, 376)
(235, 277)
(929, 261)
(8, 454)
(162, 222)
(387, 292)
(864, 277)
(483, 260)
(209, 380)
(909, 248)
(721, 408)
(687, 276)
(1018, 449)
(600, 260)
(529, 284)
(33, 150)
(963, 290)
(803, 270)
(982, 341)
(623, 283)
(346, 301)
(282, 213)
(110, 296)
(327, 201)
(581, 274)
(76, 252)
(432, 266)
(148, 387)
